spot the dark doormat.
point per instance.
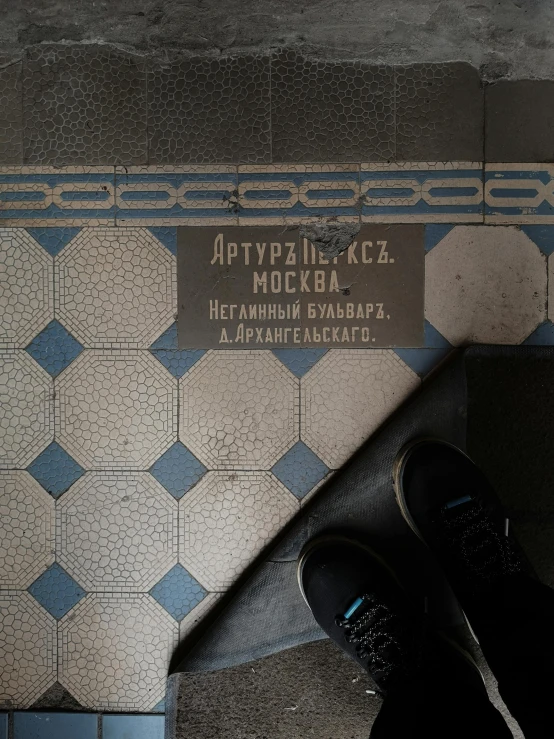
(503, 397)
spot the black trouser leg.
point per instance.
(442, 709)
(515, 627)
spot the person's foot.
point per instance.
(361, 606)
(450, 505)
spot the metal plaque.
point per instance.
(256, 287)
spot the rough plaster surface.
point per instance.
(505, 37)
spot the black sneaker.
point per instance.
(450, 505)
(359, 603)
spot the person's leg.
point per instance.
(448, 503)
(432, 687)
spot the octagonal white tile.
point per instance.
(115, 652)
(116, 410)
(26, 288)
(117, 531)
(227, 519)
(347, 395)
(116, 287)
(485, 284)
(28, 649)
(239, 409)
(26, 529)
(26, 402)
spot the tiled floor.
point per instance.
(137, 480)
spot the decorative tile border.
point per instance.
(422, 192)
(519, 193)
(57, 196)
(170, 195)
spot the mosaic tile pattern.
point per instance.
(99, 90)
(116, 288)
(171, 195)
(11, 113)
(56, 591)
(28, 649)
(177, 361)
(485, 285)
(55, 469)
(331, 111)
(300, 469)
(116, 412)
(27, 420)
(422, 192)
(26, 288)
(296, 193)
(225, 102)
(51, 196)
(177, 470)
(126, 643)
(227, 520)
(178, 592)
(117, 531)
(54, 348)
(519, 193)
(439, 112)
(238, 409)
(345, 398)
(26, 529)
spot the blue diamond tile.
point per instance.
(178, 592)
(422, 361)
(55, 470)
(54, 348)
(56, 591)
(300, 469)
(177, 361)
(542, 236)
(167, 235)
(168, 340)
(541, 336)
(434, 339)
(299, 361)
(435, 232)
(158, 708)
(53, 239)
(177, 470)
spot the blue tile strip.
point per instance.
(519, 195)
(178, 592)
(56, 591)
(49, 725)
(3, 726)
(55, 469)
(454, 195)
(300, 469)
(54, 348)
(62, 197)
(132, 727)
(177, 470)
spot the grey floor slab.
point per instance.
(331, 110)
(519, 118)
(439, 113)
(11, 113)
(210, 110)
(84, 105)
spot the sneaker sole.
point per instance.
(315, 543)
(397, 469)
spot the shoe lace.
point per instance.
(379, 636)
(474, 544)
